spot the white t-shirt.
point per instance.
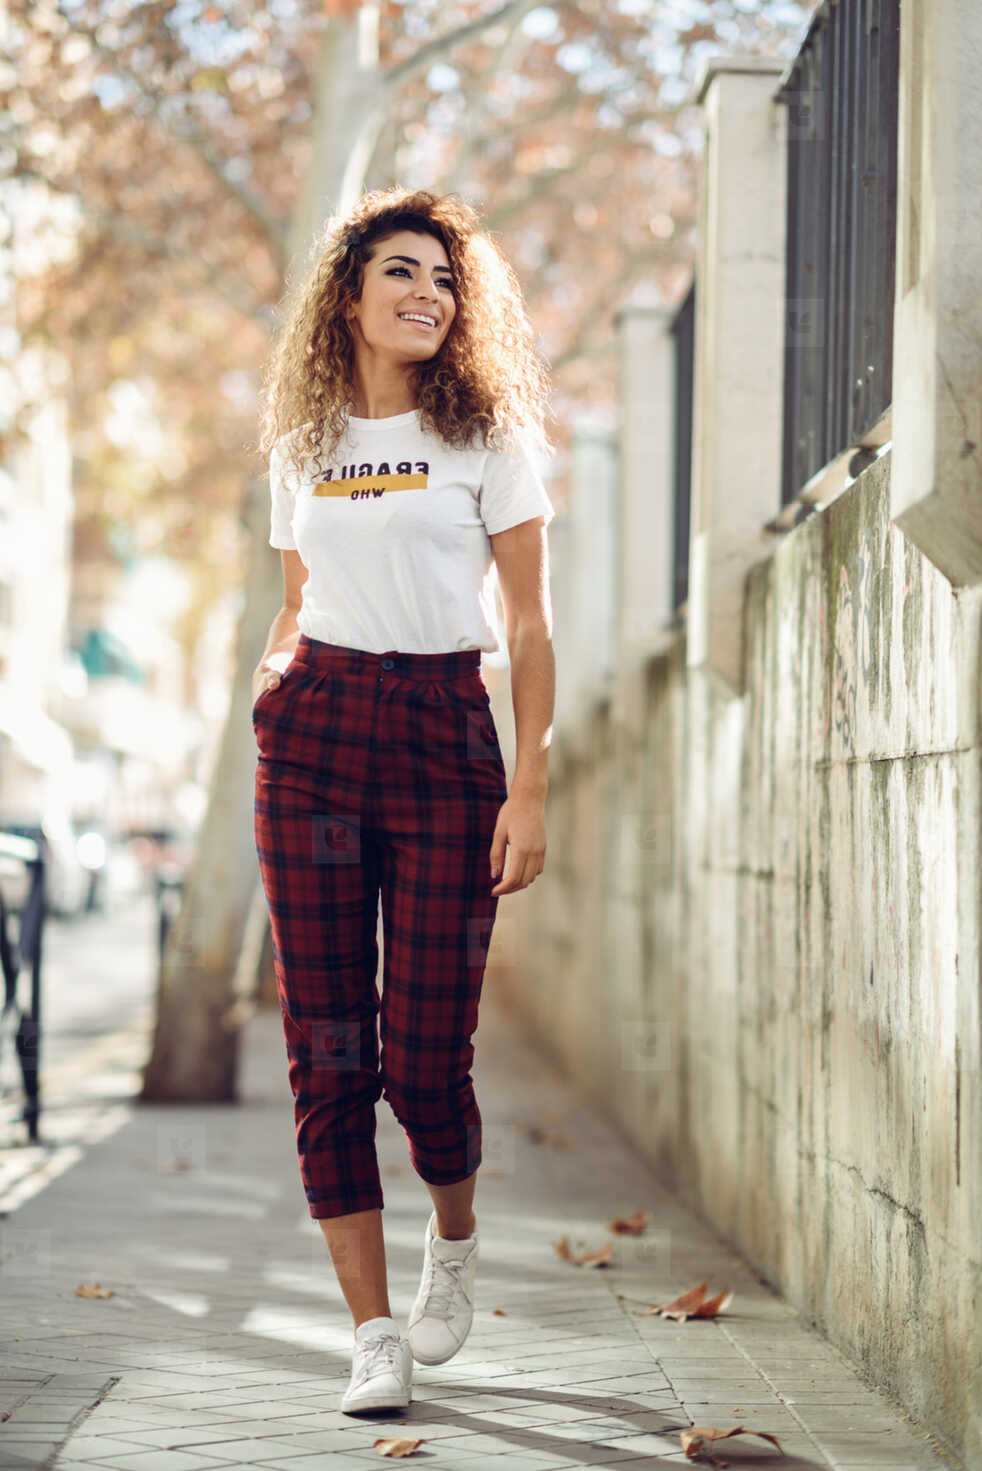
(395, 534)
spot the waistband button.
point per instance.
(388, 663)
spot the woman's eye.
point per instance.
(441, 280)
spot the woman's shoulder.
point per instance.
(291, 455)
(289, 438)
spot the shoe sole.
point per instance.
(431, 1362)
(385, 1403)
(421, 1360)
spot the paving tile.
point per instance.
(86, 1447)
(164, 1461)
(19, 1455)
(876, 1447)
(231, 1344)
(924, 1462)
(240, 1452)
(600, 1456)
(289, 1462)
(63, 1464)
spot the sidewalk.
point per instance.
(226, 1342)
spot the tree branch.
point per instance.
(189, 138)
(595, 318)
(543, 183)
(122, 227)
(513, 11)
(479, 94)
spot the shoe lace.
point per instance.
(443, 1283)
(379, 1353)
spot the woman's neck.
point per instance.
(382, 401)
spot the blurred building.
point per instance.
(94, 724)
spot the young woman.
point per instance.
(404, 416)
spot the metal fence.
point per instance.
(841, 96)
(22, 860)
(683, 330)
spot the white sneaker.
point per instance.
(441, 1316)
(381, 1368)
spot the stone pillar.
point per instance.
(936, 484)
(646, 355)
(563, 633)
(739, 354)
(593, 560)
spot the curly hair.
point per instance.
(486, 378)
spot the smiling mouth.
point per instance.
(413, 322)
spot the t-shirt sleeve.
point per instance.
(512, 488)
(282, 492)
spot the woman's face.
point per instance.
(408, 273)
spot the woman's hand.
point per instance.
(265, 678)
(522, 825)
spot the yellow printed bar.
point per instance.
(371, 482)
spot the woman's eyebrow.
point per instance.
(410, 261)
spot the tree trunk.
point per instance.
(195, 1048)
(194, 1056)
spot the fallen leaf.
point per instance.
(695, 1436)
(498, 1313)
(691, 1304)
(95, 1290)
(598, 1258)
(393, 1446)
(631, 1225)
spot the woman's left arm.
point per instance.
(521, 556)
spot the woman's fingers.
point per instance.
(521, 870)
(269, 682)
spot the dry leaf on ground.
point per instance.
(631, 1225)
(695, 1436)
(388, 1445)
(498, 1313)
(94, 1289)
(691, 1304)
(599, 1258)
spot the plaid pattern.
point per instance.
(378, 774)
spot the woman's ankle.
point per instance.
(367, 1317)
(456, 1235)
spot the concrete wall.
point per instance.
(755, 942)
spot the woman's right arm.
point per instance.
(283, 633)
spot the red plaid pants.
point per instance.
(378, 774)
